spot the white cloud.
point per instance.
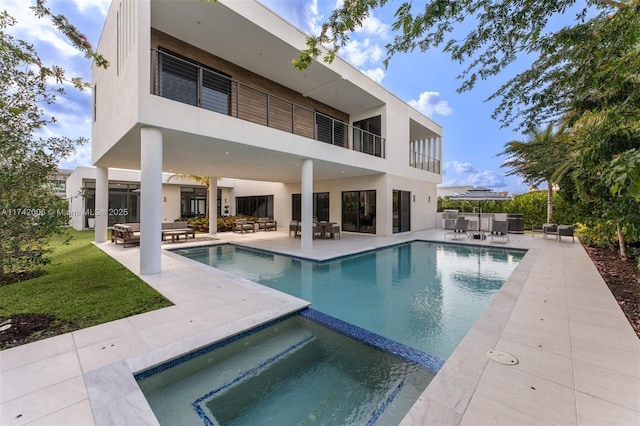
(34, 29)
(459, 167)
(430, 103)
(359, 53)
(374, 26)
(87, 6)
(375, 74)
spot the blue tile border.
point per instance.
(430, 362)
(252, 371)
(380, 410)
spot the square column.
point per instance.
(307, 203)
(213, 205)
(101, 205)
(150, 200)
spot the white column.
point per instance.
(101, 204)
(150, 200)
(213, 205)
(307, 203)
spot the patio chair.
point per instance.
(459, 229)
(549, 229)
(333, 231)
(565, 231)
(500, 229)
(318, 231)
(242, 226)
(294, 226)
(266, 224)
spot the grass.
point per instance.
(82, 287)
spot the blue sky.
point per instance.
(427, 81)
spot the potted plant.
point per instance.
(91, 221)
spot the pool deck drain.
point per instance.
(578, 355)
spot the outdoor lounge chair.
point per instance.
(459, 229)
(242, 226)
(549, 229)
(500, 229)
(267, 224)
(125, 234)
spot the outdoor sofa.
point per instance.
(174, 229)
(267, 224)
(242, 226)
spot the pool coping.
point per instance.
(586, 372)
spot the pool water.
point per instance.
(293, 372)
(425, 295)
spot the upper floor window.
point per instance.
(191, 83)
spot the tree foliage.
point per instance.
(537, 158)
(30, 211)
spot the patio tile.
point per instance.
(428, 411)
(109, 351)
(621, 388)
(539, 362)
(153, 318)
(170, 332)
(129, 409)
(623, 338)
(483, 410)
(99, 333)
(529, 393)
(41, 403)
(597, 412)
(107, 384)
(38, 375)
(36, 351)
(598, 354)
(77, 414)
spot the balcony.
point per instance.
(182, 80)
(424, 162)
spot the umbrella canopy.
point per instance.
(480, 194)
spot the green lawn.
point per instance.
(82, 287)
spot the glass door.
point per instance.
(359, 211)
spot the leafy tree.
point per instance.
(30, 212)
(537, 159)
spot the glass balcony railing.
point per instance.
(185, 81)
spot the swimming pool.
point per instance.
(426, 295)
(291, 371)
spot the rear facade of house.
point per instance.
(208, 89)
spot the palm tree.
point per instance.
(537, 159)
(202, 180)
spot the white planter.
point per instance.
(92, 222)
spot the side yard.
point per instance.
(81, 287)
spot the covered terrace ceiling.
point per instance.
(222, 158)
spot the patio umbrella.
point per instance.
(480, 194)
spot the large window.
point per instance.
(258, 206)
(193, 202)
(123, 202)
(320, 206)
(401, 211)
(359, 211)
(191, 83)
(366, 136)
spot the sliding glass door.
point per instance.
(359, 211)
(401, 211)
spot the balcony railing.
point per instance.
(424, 162)
(185, 81)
